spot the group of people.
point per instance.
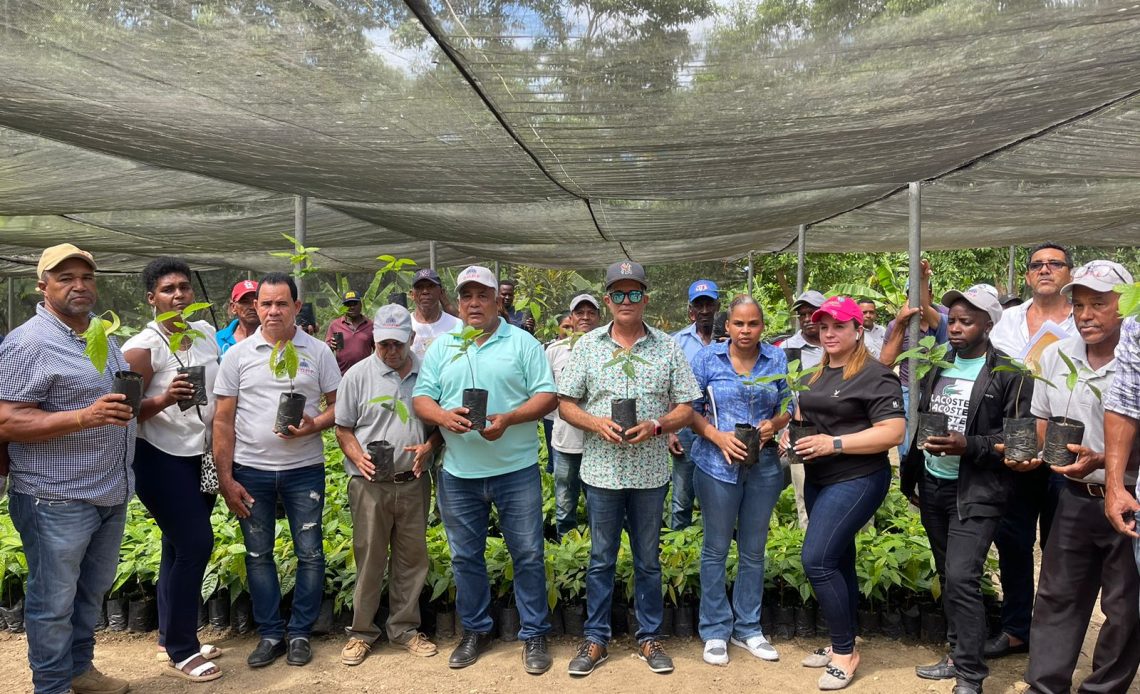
(393, 388)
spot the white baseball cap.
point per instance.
(586, 298)
(393, 322)
(980, 296)
(1099, 276)
(477, 274)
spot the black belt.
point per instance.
(402, 477)
(1095, 491)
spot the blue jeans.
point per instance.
(465, 505)
(835, 513)
(681, 516)
(746, 505)
(904, 447)
(567, 488)
(609, 509)
(72, 549)
(302, 491)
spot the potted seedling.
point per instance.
(1020, 433)
(383, 453)
(98, 334)
(283, 362)
(474, 398)
(195, 374)
(624, 410)
(1061, 431)
(746, 432)
(927, 356)
(798, 428)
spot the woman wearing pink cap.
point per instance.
(855, 403)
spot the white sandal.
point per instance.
(209, 651)
(201, 673)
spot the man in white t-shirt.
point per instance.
(429, 320)
(568, 442)
(256, 466)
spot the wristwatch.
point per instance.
(837, 442)
(657, 431)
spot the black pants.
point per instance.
(960, 546)
(1034, 499)
(1085, 556)
(168, 487)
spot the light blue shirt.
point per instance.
(724, 391)
(512, 367)
(690, 341)
(951, 397)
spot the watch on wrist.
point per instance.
(657, 431)
(837, 443)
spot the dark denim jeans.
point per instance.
(548, 433)
(302, 491)
(835, 513)
(465, 505)
(567, 489)
(609, 510)
(681, 514)
(72, 549)
(748, 506)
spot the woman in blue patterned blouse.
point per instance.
(733, 494)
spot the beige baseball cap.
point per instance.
(52, 257)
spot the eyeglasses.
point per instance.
(635, 296)
(1055, 265)
(1098, 270)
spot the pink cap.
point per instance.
(841, 308)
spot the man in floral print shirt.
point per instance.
(626, 478)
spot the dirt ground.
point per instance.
(887, 666)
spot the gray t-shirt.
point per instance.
(365, 381)
(245, 374)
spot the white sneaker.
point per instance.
(758, 646)
(716, 652)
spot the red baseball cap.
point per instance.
(241, 289)
(841, 308)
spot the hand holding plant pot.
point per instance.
(798, 428)
(109, 409)
(623, 411)
(1062, 434)
(1020, 433)
(1086, 461)
(182, 335)
(927, 356)
(126, 383)
(284, 362)
(474, 398)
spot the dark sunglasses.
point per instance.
(1055, 265)
(635, 296)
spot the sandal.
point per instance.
(199, 673)
(209, 651)
(834, 677)
(820, 657)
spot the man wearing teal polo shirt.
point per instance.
(498, 465)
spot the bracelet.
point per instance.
(78, 421)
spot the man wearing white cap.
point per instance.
(1084, 555)
(495, 465)
(568, 442)
(389, 502)
(71, 443)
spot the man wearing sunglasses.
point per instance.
(625, 477)
(1085, 555)
(1035, 494)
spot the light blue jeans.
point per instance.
(567, 489)
(746, 508)
(72, 549)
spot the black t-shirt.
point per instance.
(838, 407)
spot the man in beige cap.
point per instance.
(71, 446)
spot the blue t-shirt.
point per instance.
(512, 367)
(727, 401)
(951, 397)
(225, 336)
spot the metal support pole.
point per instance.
(300, 224)
(1011, 281)
(751, 274)
(11, 301)
(914, 296)
(801, 251)
(431, 254)
(498, 277)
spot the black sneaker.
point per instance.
(265, 653)
(589, 656)
(300, 652)
(653, 653)
(470, 646)
(536, 657)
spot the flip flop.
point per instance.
(197, 674)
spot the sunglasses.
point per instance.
(1099, 271)
(1055, 265)
(634, 295)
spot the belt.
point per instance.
(1095, 491)
(402, 477)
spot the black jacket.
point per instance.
(984, 482)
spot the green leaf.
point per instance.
(1129, 305)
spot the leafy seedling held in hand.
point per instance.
(97, 335)
(392, 404)
(181, 321)
(624, 410)
(927, 356)
(467, 339)
(474, 398)
(1024, 372)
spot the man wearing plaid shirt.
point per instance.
(71, 447)
(1121, 428)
